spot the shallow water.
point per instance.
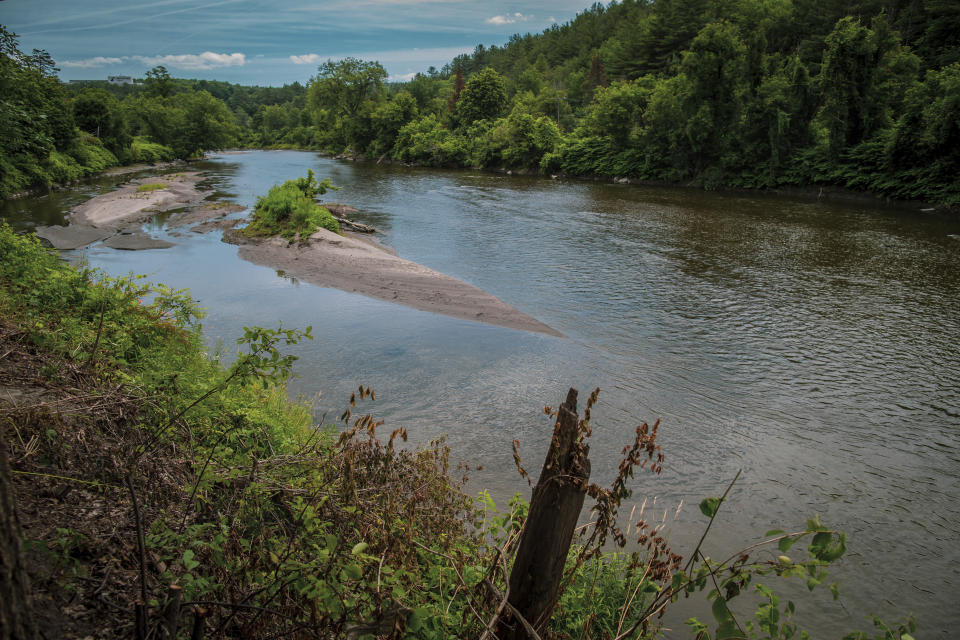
(813, 345)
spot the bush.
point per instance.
(142, 150)
(289, 210)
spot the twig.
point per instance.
(531, 632)
(713, 578)
(693, 556)
(96, 343)
(139, 525)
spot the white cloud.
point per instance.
(90, 63)
(310, 58)
(192, 62)
(508, 19)
(403, 77)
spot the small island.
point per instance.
(290, 231)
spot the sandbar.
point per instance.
(127, 204)
(361, 266)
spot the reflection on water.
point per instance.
(813, 345)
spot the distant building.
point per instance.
(120, 79)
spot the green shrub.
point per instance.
(142, 150)
(289, 210)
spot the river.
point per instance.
(814, 345)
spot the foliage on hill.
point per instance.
(290, 210)
(744, 93)
(55, 133)
(750, 93)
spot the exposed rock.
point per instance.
(72, 237)
(212, 225)
(136, 242)
(203, 213)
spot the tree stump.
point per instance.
(554, 512)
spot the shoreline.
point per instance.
(363, 266)
(351, 263)
(825, 192)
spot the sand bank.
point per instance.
(129, 204)
(360, 266)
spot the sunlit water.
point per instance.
(812, 345)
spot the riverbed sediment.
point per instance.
(361, 266)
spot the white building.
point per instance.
(120, 79)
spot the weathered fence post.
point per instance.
(16, 611)
(554, 511)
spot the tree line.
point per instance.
(739, 93)
(736, 93)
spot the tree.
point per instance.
(206, 123)
(596, 78)
(343, 86)
(483, 97)
(458, 85)
(852, 108)
(98, 113)
(714, 67)
(158, 82)
(16, 615)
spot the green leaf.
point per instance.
(835, 591)
(726, 626)
(709, 506)
(353, 571)
(785, 544)
(774, 532)
(417, 618)
(360, 547)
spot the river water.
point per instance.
(814, 345)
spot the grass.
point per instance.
(152, 186)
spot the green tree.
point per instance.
(714, 67)
(846, 80)
(206, 123)
(158, 82)
(342, 86)
(483, 97)
(98, 113)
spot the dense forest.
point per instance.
(740, 93)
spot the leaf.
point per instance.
(774, 532)
(417, 618)
(726, 626)
(360, 547)
(785, 544)
(709, 506)
(353, 571)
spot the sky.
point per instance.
(267, 42)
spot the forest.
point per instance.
(740, 93)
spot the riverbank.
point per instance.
(818, 192)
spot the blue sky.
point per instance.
(267, 42)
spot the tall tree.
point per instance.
(458, 85)
(158, 82)
(342, 86)
(483, 97)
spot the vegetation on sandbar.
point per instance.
(290, 210)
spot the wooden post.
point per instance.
(16, 611)
(554, 511)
